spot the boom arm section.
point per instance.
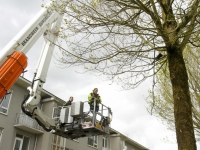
(46, 22)
(22, 43)
(40, 76)
(27, 37)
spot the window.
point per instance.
(92, 141)
(4, 103)
(105, 142)
(59, 143)
(1, 132)
(21, 142)
(124, 147)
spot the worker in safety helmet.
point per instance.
(69, 102)
(94, 96)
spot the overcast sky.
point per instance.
(130, 116)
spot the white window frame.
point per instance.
(22, 140)
(58, 142)
(1, 134)
(9, 99)
(93, 138)
(105, 142)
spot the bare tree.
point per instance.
(118, 38)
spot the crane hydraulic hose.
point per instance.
(30, 114)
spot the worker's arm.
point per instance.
(67, 103)
(100, 99)
(90, 99)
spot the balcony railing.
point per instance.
(25, 122)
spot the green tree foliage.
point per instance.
(117, 38)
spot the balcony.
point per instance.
(26, 123)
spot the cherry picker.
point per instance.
(70, 122)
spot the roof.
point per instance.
(113, 132)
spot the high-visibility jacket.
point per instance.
(93, 96)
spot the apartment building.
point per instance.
(20, 132)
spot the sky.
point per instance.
(130, 116)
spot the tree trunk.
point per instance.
(182, 101)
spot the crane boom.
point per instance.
(47, 23)
(27, 37)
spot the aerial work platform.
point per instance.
(75, 122)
